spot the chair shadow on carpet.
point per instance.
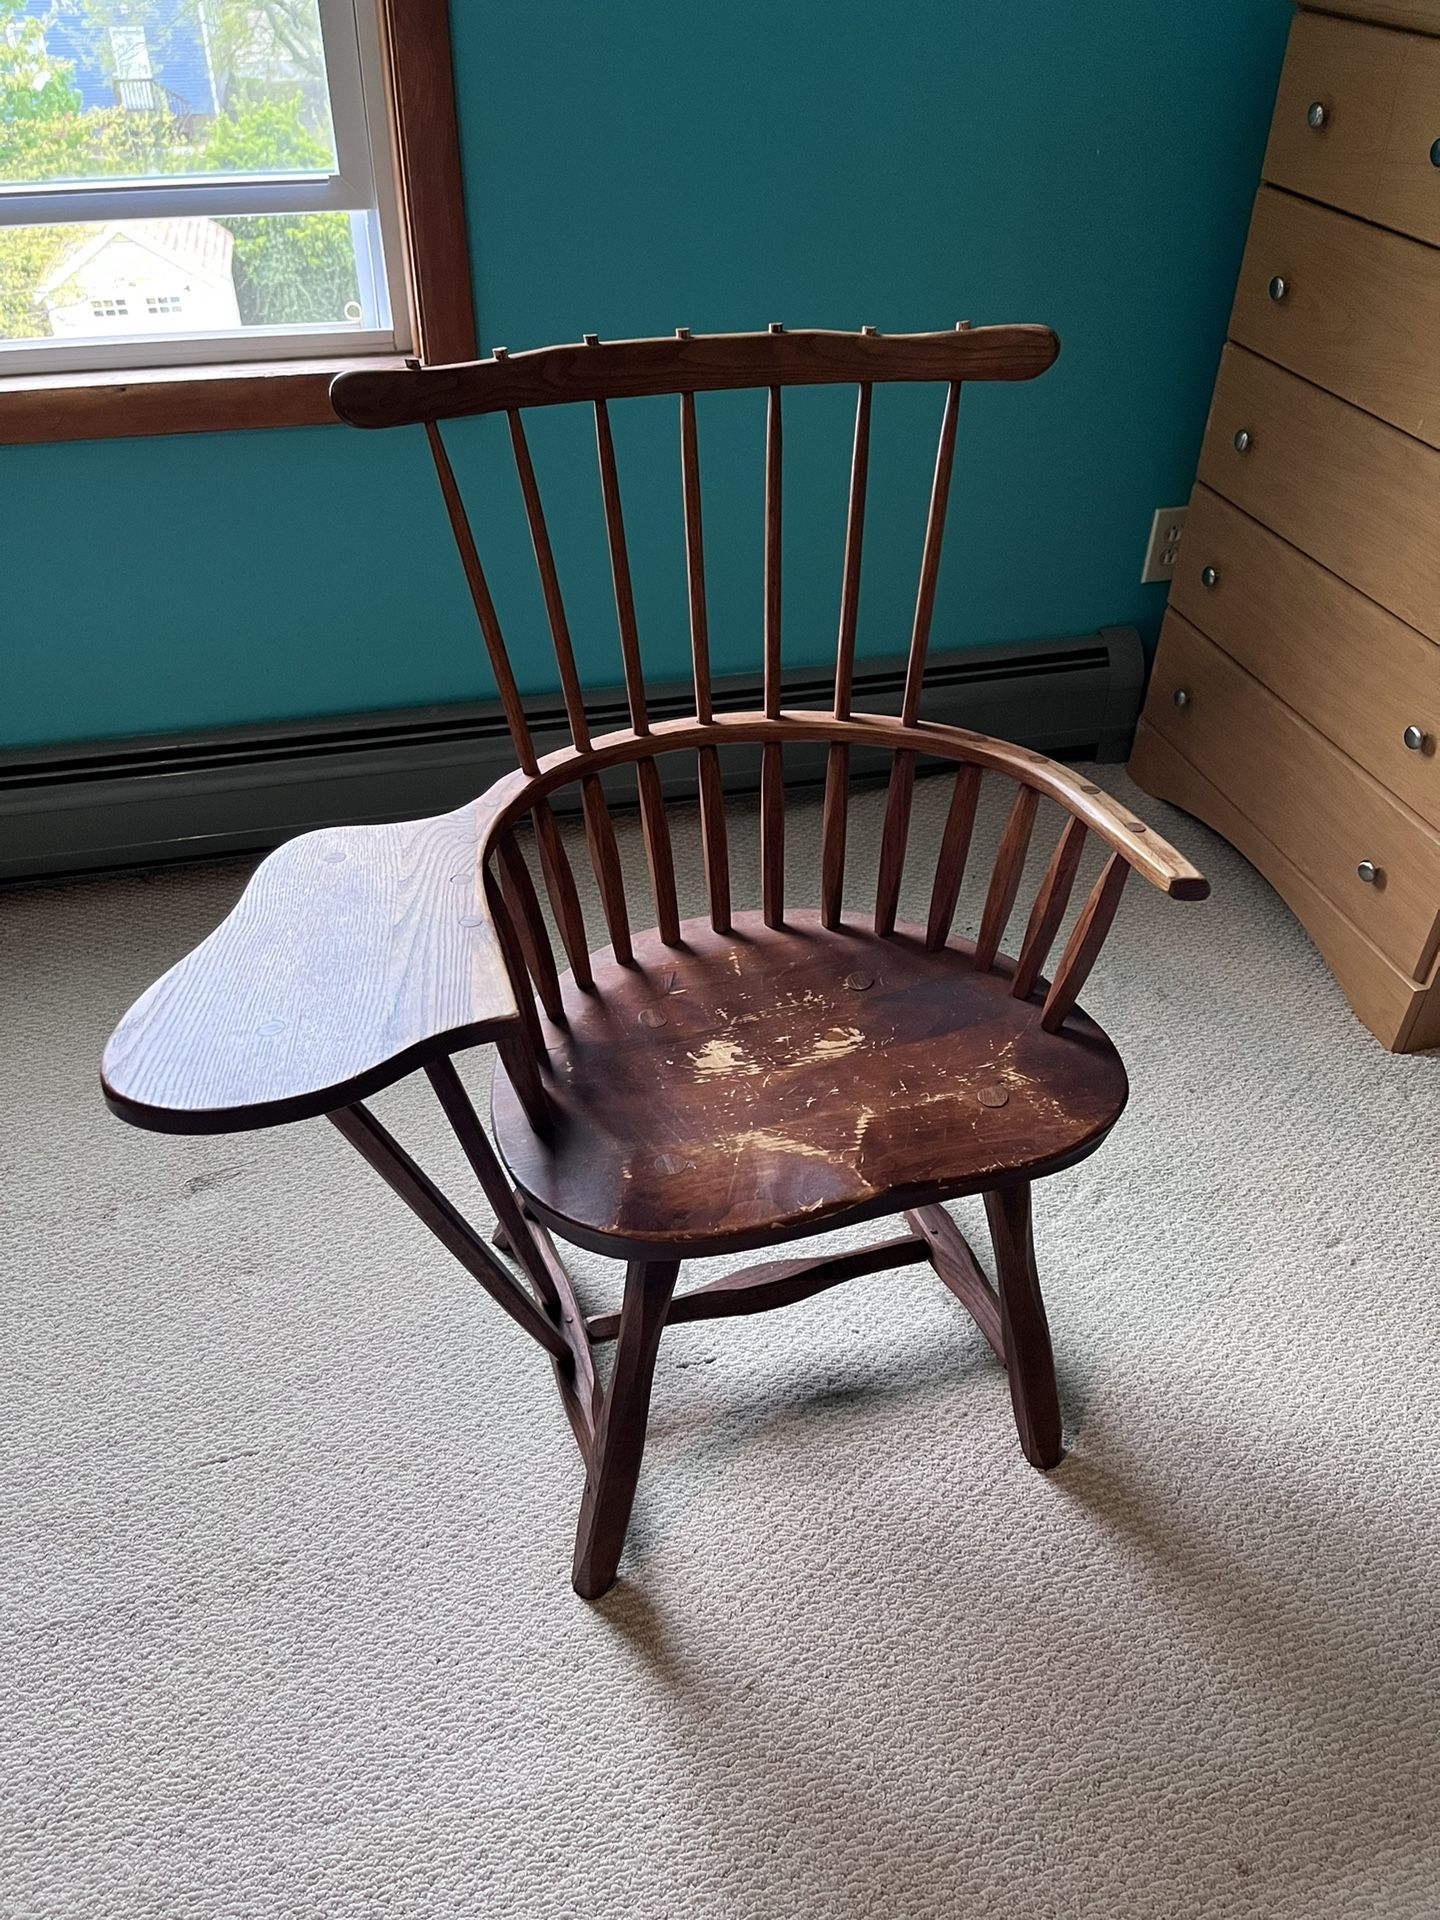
(1311, 1641)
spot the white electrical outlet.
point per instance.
(1163, 548)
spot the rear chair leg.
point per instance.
(620, 1438)
(1029, 1361)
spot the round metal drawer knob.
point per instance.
(1180, 697)
(1414, 738)
(1278, 288)
(1209, 577)
(1316, 115)
(1242, 441)
(1368, 872)
(1435, 154)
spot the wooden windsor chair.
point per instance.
(710, 1085)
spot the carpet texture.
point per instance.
(289, 1505)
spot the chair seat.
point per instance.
(761, 1084)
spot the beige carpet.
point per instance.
(289, 1507)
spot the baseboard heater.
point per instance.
(136, 802)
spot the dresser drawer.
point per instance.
(1317, 807)
(1364, 678)
(1407, 195)
(1424, 15)
(1345, 78)
(1349, 306)
(1360, 497)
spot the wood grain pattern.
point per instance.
(930, 559)
(1082, 949)
(1346, 281)
(893, 837)
(954, 1261)
(578, 1383)
(702, 363)
(1320, 809)
(774, 494)
(479, 586)
(854, 552)
(837, 764)
(833, 824)
(1029, 1363)
(530, 930)
(659, 857)
(420, 95)
(605, 859)
(1049, 908)
(1005, 876)
(694, 555)
(654, 826)
(743, 1089)
(1408, 195)
(38, 409)
(1393, 1006)
(521, 1061)
(1153, 858)
(560, 889)
(353, 956)
(1355, 494)
(570, 688)
(620, 1437)
(1351, 669)
(419, 1192)
(714, 841)
(1421, 15)
(772, 833)
(1352, 72)
(953, 856)
(631, 664)
(776, 1283)
(515, 1229)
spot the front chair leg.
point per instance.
(620, 1436)
(1029, 1361)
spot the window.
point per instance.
(200, 192)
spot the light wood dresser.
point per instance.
(1295, 703)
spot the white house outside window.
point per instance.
(193, 181)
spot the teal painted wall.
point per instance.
(639, 165)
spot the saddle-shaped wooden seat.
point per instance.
(739, 1087)
(709, 1085)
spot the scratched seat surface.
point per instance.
(768, 1079)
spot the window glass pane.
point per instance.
(150, 277)
(152, 89)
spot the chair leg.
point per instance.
(620, 1437)
(1029, 1361)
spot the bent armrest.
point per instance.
(1152, 857)
(354, 955)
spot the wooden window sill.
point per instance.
(38, 408)
(420, 92)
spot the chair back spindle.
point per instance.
(654, 826)
(1005, 876)
(1087, 937)
(684, 366)
(837, 766)
(713, 836)
(772, 756)
(954, 852)
(902, 776)
(532, 936)
(1049, 908)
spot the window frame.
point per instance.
(430, 291)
